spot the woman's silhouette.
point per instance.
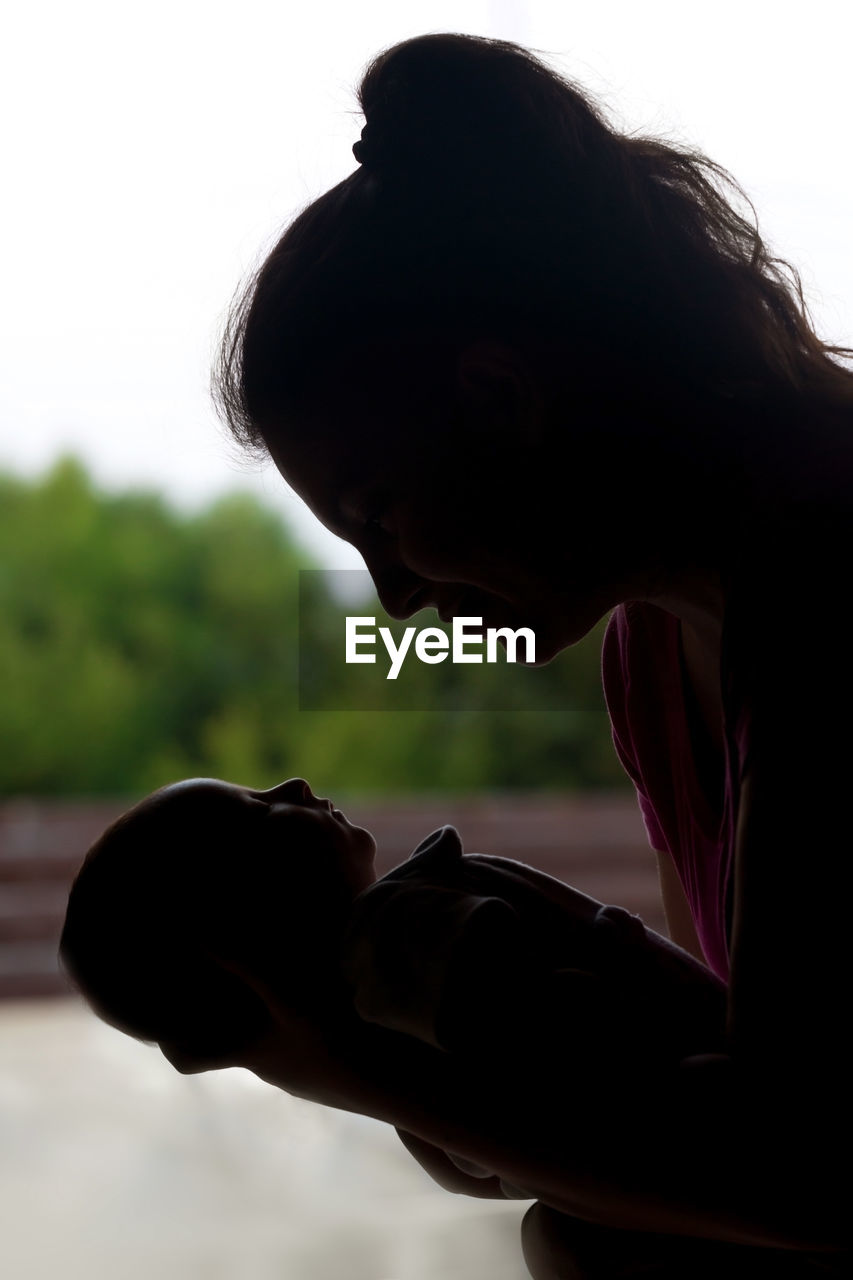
(535, 369)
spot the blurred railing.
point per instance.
(595, 842)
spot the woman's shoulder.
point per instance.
(786, 659)
(789, 596)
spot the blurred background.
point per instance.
(149, 580)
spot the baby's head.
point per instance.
(200, 884)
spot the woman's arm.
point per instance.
(736, 1148)
(672, 1155)
(743, 1148)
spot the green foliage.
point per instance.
(139, 645)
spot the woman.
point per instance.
(536, 369)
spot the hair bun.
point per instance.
(436, 98)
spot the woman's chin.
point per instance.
(550, 644)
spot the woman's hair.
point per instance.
(494, 200)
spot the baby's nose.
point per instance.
(293, 791)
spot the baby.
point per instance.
(206, 897)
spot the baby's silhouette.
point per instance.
(207, 895)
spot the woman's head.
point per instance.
(494, 200)
(496, 209)
(200, 884)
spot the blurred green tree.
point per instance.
(139, 644)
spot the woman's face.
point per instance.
(471, 517)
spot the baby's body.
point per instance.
(494, 961)
(451, 962)
(457, 949)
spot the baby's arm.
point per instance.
(436, 963)
(464, 972)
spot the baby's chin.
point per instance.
(359, 839)
(369, 843)
(361, 859)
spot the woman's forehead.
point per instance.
(326, 467)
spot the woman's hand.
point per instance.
(331, 1056)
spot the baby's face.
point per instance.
(276, 832)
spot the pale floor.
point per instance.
(114, 1167)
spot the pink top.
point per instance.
(688, 795)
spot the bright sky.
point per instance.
(153, 150)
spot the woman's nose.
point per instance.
(401, 592)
